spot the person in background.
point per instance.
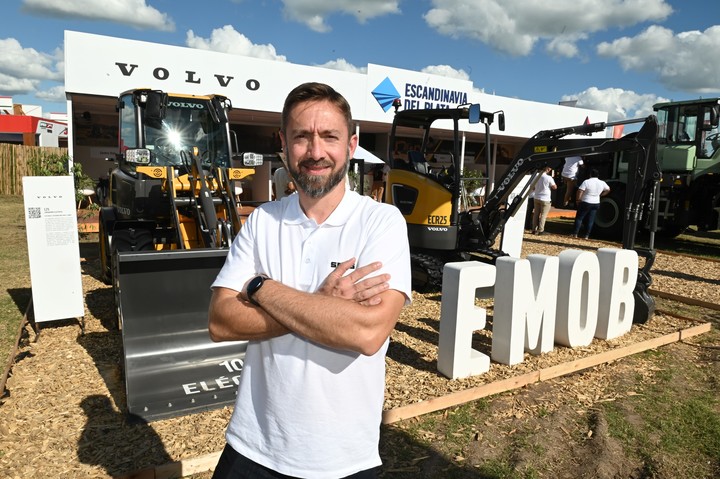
(569, 174)
(379, 176)
(282, 184)
(315, 283)
(542, 199)
(588, 200)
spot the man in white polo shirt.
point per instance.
(542, 200)
(588, 200)
(315, 282)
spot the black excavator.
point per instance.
(443, 229)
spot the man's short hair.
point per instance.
(313, 91)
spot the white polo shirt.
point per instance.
(571, 167)
(543, 188)
(304, 409)
(592, 189)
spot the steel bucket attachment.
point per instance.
(172, 367)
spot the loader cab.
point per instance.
(688, 132)
(169, 127)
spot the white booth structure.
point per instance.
(98, 68)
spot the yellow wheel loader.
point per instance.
(441, 228)
(163, 238)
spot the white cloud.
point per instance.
(135, 13)
(313, 13)
(12, 85)
(54, 94)
(446, 71)
(228, 40)
(686, 61)
(24, 71)
(343, 65)
(620, 104)
(516, 26)
(28, 63)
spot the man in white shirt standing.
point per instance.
(542, 200)
(588, 200)
(569, 174)
(315, 283)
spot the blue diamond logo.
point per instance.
(385, 93)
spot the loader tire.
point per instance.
(105, 253)
(132, 239)
(129, 239)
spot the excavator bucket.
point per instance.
(172, 367)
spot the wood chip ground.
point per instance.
(63, 416)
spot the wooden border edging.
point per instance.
(435, 404)
(11, 357)
(684, 299)
(183, 468)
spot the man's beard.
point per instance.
(317, 186)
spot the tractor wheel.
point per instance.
(610, 218)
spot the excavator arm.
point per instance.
(549, 148)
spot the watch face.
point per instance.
(254, 285)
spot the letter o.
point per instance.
(161, 73)
(252, 85)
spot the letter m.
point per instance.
(525, 305)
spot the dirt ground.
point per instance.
(63, 416)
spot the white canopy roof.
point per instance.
(362, 154)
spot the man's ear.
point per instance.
(352, 145)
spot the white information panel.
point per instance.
(53, 247)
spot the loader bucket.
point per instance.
(172, 367)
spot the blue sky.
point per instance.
(619, 56)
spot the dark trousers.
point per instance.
(585, 210)
(233, 465)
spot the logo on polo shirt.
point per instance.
(335, 264)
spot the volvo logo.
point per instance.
(162, 74)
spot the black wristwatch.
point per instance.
(253, 286)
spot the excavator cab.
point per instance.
(425, 183)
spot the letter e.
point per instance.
(459, 318)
